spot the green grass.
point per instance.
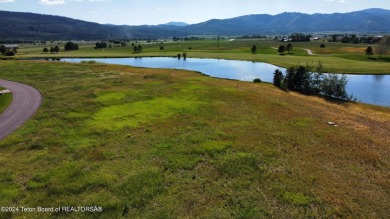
(337, 57)
(5, 100)
(156, 143)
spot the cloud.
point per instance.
(52, 2)
(3, 1)
(60, 2)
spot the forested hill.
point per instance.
(17, 26)
(29, 26)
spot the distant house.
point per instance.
(316, 38)
(11, 46)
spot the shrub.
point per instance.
(88, 62)
(281, 49)
(9, 53)
(71, 46)
(257, 80)
(254, 49)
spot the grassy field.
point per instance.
(5, 100)
(336, 57)
(155, 143)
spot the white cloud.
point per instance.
(1, 1)
(60, 2)
(52, 2)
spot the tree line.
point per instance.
(300, 37)
(312, 80)
(69, 46)
(354, 39)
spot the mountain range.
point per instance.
(20, 26)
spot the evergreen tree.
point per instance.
(369, 51)
(254, 49)
(56, 49)
(278, 78)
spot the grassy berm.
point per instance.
(158, 143)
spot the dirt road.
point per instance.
(26, 101)
(309, 52)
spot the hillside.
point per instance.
(370, 20)
(17, 26)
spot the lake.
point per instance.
(371, 89)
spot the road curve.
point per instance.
(26, 101)
(309, 52)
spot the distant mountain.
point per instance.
(178, 24)
(370, 20)
(17, 26)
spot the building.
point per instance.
(11, 46)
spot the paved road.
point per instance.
(26, 101)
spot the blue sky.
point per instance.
(153, 12)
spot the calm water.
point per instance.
(372, 89)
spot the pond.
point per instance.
(371, 89)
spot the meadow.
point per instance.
(162, 143)
(5, 100)
(336, 57)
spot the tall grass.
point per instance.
(5, 101)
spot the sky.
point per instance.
(153, 12)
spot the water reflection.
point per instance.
(379, 77)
